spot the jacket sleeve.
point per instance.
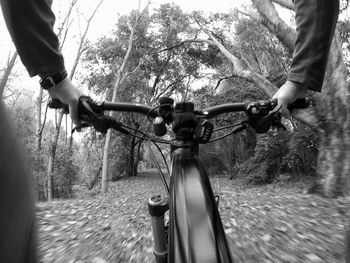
(315, 21)
(30, 23)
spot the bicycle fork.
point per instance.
(157, 207)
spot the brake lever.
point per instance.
(263, 124)
(80, 126)
(276, 122)
(57, 104)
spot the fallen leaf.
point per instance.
(266, 237)
(314, 258)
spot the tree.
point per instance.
(7, 72)
(330, 114)
(151, 71)
(53, 145)
(330, 117)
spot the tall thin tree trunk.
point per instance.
(131, 158)
(54, 142)
(94, 179)
(39, 124)
(52, 155)
(7, 73)
(104, 180)
(138, 157)
(118, 81)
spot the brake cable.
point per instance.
(162, 176)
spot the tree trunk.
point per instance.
(333, 114)
(131, 158)
(39, 124)
(119, 79)
(330, 114)
(7, 73)
(52, 154)
(104, 180)
(138, 157)
(95, 179)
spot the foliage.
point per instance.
(302, 152)
(264, 166)
(262, 50)
(344, 30)
(155, 68)
(66, 169)
(66, 175)
(224, 155)
(265, 219)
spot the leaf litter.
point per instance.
(272, 223)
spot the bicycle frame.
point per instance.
(196, 232)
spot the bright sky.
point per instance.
(108, 13)
(103, 23)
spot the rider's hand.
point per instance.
(288, 93)
(68, 94)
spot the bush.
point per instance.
(264, 166)
(301, 157)
(66, 172)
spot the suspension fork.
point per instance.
(157, 207)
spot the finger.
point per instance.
(73, 112)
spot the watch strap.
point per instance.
(52, 80)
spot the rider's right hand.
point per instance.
(68, 94)
(288, 93)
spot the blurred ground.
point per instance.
(273, 223)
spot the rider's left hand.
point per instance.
(68, 94)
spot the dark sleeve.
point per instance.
(315, 21)
(30, 23)
(17, 206)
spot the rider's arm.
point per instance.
(30, 23)
(315, 21)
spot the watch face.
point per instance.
(47, 83)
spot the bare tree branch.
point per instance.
(238, 69)
(65, 25)
(66, 18)
(171, 86)
(235, 61)
(82, 40)
(157, 79)
(194, 40)
(285, 3)
(271, 19)
(220, 80)
(131, 72)
(6, 75)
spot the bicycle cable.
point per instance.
(228, 134)
(166, 186)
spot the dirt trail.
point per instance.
(271, 223)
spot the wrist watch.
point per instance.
(51, 81)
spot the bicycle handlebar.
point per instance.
(259, 116)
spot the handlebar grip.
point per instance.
(57, 104)
(299, 104)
